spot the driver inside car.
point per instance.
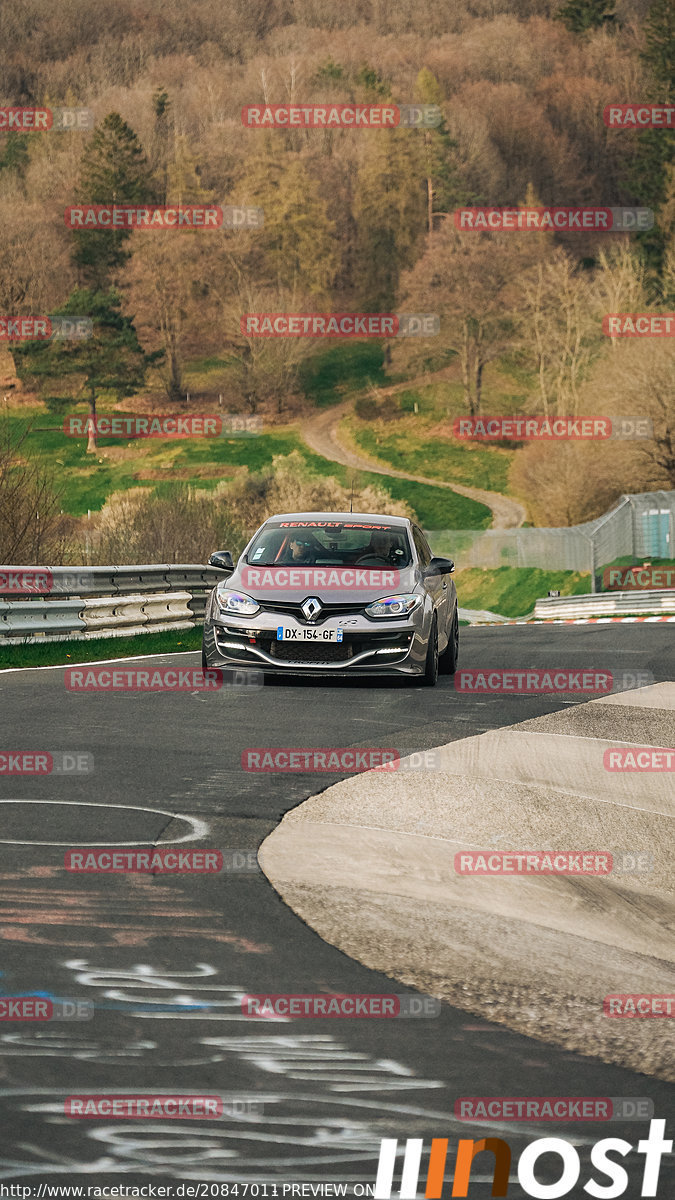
(298, 550)
(382, 545)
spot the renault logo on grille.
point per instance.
(310, 608)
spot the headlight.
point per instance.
(394, 606)
(235, 602)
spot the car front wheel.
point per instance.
(431, 665)
(448, 660)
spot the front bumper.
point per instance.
(368, 648)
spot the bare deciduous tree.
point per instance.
(561, 319)
(565, 483)
(639, 380)
(558, 325)
(33, 528)
(469, 281)
(34, 268)
(188, 524)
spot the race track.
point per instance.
(152, 952)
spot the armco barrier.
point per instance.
(168, 609)
(607, 604)
(21, 620)
(107, 581)
(86, 602)
(145, 598)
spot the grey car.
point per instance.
(334, 594)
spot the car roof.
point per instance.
(404, 522)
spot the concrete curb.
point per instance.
(369, 862)
(568, 620)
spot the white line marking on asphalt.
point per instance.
(97, 661)
(199, 828)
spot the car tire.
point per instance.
(205, 665)
(448, 660)
(431, 665)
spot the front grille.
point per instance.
(327, 610)
(353, 644)
(308, 652)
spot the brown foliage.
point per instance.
(565, 483)
(188, 524)
(33, 529)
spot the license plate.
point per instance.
(308, 635)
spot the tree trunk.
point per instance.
(175, 391)
(464, 358)
(92, 448)
(478, 373)
(479, 383)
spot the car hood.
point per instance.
(333, 585)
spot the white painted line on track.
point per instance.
(95, 662)
(199, 828)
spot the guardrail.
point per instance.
(607, 604)
(53, 604)
(79, 603)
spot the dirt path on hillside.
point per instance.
(320, 432)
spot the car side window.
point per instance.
(423, 551)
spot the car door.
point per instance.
(436, 585)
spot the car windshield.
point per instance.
(330, 543)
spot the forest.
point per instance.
(355, 220)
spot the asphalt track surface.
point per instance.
(167, 959)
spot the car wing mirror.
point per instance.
(439, 566)
(222, 559)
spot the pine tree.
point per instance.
(184, 184)
(659, 51)
(15, 155)
(655, 149)
(295, 248)
(111, 360)
(161, 105)
(444, 187)
(390, 211)
(113, 170)
(580, 16)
